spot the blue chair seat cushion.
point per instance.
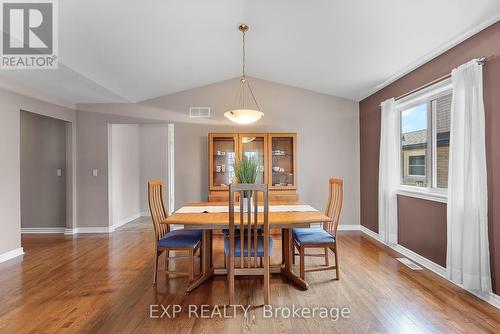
(180, 238)
(237, 247)
(312, 236)
(260, 231)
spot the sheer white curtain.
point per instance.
(468, 260)
(389, 172)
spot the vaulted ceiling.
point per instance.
(117, 51)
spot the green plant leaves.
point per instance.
(245, 171)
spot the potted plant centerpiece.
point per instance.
(245, 171)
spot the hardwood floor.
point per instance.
(103, 284)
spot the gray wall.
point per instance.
(92, 147)
(153, 152)
(327, 128)
(10, 195)
(43, 151)
(328, 145)
(93, 153)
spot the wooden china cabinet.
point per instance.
(276, 158)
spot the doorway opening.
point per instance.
(44, 173)
(137, 153)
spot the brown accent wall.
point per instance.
(485, 43)
(422, 227)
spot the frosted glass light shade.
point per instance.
(244, 116)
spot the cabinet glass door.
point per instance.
(253, 146)
(283, 161)
(223, 153)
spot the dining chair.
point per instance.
(225, 232)
(244, 249)
(167, 240)
(324, 238)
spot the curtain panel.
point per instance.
(389, 172)
(468, 260)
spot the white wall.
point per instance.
(125, 173)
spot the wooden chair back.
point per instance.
(157, 208)
(334, 205)
(248, 221)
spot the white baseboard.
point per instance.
(173, 227)
(89, 229)
(11, 254)
(490, 298)
(100, 229)
(127, 220)
(94, 229)
(432, 266)
(348, 227)
(69, 231)
(42, 230)
(370, 233)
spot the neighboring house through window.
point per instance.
(416, 165)
(425, 137)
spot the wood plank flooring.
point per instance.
(103, 284)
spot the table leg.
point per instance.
(286, 266)
(283, 246)
(207, 270)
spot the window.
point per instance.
(425, 137)
(416, 165)
(414, 144)
(442, 109)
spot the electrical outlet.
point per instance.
(94, 172)
(59, 172)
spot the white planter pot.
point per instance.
(245, 204)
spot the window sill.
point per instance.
(424, 193)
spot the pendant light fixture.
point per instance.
(243, 114)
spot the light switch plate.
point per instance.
(94, 172)
(59, 172)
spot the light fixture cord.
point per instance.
(253, 96)
(244, 80)
(243, 54)
(243, 70)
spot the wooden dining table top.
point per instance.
(286, 219)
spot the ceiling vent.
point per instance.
(199, 112)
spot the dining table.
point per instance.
(210, 216)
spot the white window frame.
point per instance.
(431, 192)
(425, 165)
